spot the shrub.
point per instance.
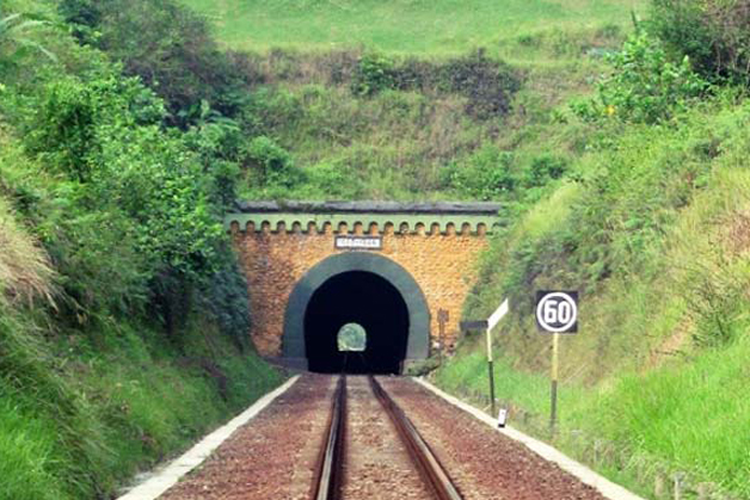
(373, 73)
(170, 48)
(645, 86)
(487, 84)
(273, 163)
(543, 169)
(485, 175)
(715, 35)
(226, 299)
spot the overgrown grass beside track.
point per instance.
(651, 384)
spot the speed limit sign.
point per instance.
(557, 311)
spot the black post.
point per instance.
(492, 387)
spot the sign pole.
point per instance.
(556, 313)
(443, 318)
(553, 377)
(491, 370)
(488, 325)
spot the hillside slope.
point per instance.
(123, 315)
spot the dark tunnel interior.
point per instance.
(368, 300)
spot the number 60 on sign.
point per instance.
(557, 311)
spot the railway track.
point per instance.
(330, 470)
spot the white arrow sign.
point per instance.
(501, 311)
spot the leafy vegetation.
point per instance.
(647, 227)
(713, 34)
(645, 86)
(123, 314)
(617, 148)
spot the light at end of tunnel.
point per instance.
(352, 338)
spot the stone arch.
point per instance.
(293, 340)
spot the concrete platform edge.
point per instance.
(172, 472)
(584, 474)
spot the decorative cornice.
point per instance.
(300, 216)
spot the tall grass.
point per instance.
(82, 411)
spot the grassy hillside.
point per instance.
(123, 315)
(654, 376)
(416, 28)
(386, 119)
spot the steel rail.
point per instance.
(328, 476)
(426, 461)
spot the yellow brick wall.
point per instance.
(444, 266)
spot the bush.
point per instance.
(645, 86)
(486, 175)
(373, 73)
(543, 169)
(272, 163)
(713, 33)
(226, 298)
(168, 46)
(487, 84)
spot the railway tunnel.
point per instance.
(388, 267)
(365, 299)
(364, 289)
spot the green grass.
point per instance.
(27, 453)
(413, 27)
(82, 415)
(652, 384)
(682, 417)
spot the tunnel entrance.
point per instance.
(368, 300)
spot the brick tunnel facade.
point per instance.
(390, 267)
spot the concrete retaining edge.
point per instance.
(584, 474)
(173, 471)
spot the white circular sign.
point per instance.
(557, 312)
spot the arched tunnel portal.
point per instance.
(362, 288)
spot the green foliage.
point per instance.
(714, 34)
(272, 163)
(78, 417)
(544, 169)
(372, 74)
(352, 337)
(168, 47)
(650, 229)
(16, 38)
(111, 368)
(486, 175)
(645, 86)
(226, 298)
(488, 84)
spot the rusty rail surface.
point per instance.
(328, 476)
(432, 471)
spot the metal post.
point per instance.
(443, 318)
(553, 376)
(491, 371)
